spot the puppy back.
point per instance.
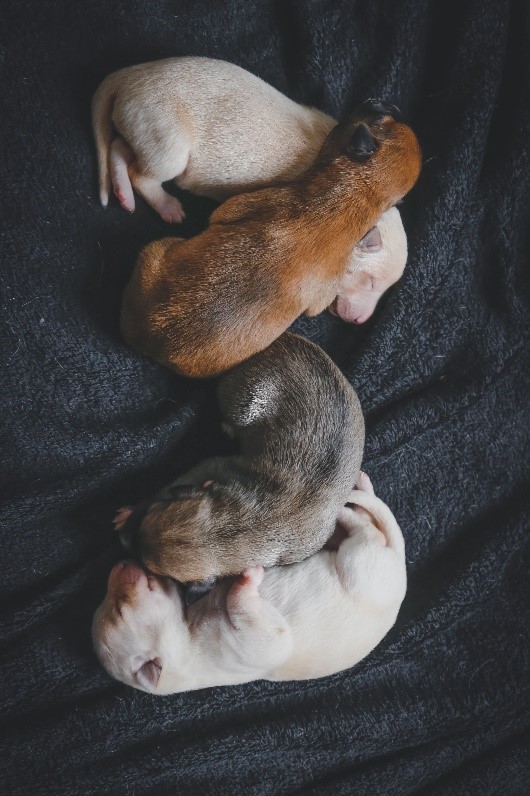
(291, 405)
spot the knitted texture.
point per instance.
(441, 706)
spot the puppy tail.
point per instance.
(383, 517)
(102, 105)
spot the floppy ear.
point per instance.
(362, 143)
(149, 674)
(121, 517)
(379, 108)
(372, 241)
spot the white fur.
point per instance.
(371, 273)
(218, 130)
(301, 621)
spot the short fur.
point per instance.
(202, 305)
(300, 429)
(303, 621)
(378, 261)
(211, 126)
(218, 130)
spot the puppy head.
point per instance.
(169, 533)
(372, 144)
(138, 631)
(377, 262)
(180, 533)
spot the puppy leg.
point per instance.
(364, 483)
(121, 157)
(262, 639)
(243, 600)
(367, 562)
(150, 188)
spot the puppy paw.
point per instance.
(252, 577)
(172, 211)
(121, 517)
(125, 198)
(363, 483)
(243, 597)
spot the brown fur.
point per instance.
(300, 431)
(202, 305)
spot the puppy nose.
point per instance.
(377, 108)
(125, 573)
(363, 318)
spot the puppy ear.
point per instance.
(372, 241)
(121, 517)
(362, 143)
(149, 673)
(379, 108)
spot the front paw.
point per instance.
(172, 211)
(364, 484)
(252, 577)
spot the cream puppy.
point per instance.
(301, 621)
(218, 130)
(378, 260)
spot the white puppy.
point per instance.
(218, 130)
(301, 621)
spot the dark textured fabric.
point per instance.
(441, 707)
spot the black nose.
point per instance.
(378, 108)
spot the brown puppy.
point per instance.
(300, 430)
(202, 305)
(218, 131)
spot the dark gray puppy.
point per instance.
(300, 429)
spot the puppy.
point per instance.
(300, 431)
(306, 620)
(202, 305)
(378, 261)
(218, 130)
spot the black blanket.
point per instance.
(442, 705)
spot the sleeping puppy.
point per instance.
(306, 620)
(300, 431)
(218, 130)
(211, 126)
(202, 305)
(378, 260)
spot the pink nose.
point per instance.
(125, 573)
(364, 316)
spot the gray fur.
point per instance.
(301, 433)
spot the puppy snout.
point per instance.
(363, 317)
(375, 108)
